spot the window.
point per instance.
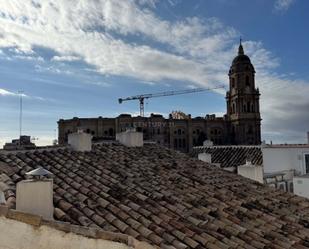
(158, 131)
(307, 163)
(111, 132)
(247, 81)
(175, 143)
(248, 106)
(233, 82)
(179, 131)
(179, 143)
(184, 143)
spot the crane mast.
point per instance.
(142, 97)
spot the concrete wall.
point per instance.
(205, 157)
(301, 186)
(80, 141)
(130, 138)
(252, 172)
(276, 159)
(15, 235)
(35, 197)
(27, 231)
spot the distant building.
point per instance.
(23, 143)
(240, 125)
(282, 166)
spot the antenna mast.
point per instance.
(20, 114)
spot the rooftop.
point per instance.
(163, 197)
(231, 155)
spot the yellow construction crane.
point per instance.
(142, 97)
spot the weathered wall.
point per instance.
(15, 235)
(35, 197)
(252, 172)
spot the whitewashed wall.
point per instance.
(276, 159)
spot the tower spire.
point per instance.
(240, 49)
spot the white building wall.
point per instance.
(252, 172)
(301, 186)
(278, 159)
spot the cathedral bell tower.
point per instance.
(243, 108)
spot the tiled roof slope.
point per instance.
(232, 156)
(165, 198)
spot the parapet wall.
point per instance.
(27, 231)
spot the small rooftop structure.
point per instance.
(23, 143)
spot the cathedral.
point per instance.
(241, 125)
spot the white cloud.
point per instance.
(66, 58)
(4, 92)
(197, 51)
(283, 5)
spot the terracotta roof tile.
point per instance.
(163, 197)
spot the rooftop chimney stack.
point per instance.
(208, 143)
(205, 157)
(35, 196)
(80, 141)
(130, 138)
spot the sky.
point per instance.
(75, 58)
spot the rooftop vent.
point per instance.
(35, 196)
(80, 141)
(130, 138)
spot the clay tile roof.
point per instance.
(231, 156)
(164, 198)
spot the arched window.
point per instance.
(179, 143)
(158, 131)
(179, 131)
(175, 143)
(252, 108)
(233, 82)
(248, 106)
(184, 143)
(247, 81)
(111, 132)
(233, 108)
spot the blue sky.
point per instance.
(76, 58)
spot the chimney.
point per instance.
(35, 196)
(130, 138)
(308, 137)
(80, 141)
(205, 157)
(208, 143)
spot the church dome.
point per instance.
(241, 62)
(241, 57)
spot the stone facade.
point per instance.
(241, 124)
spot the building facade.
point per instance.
(240, 125)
